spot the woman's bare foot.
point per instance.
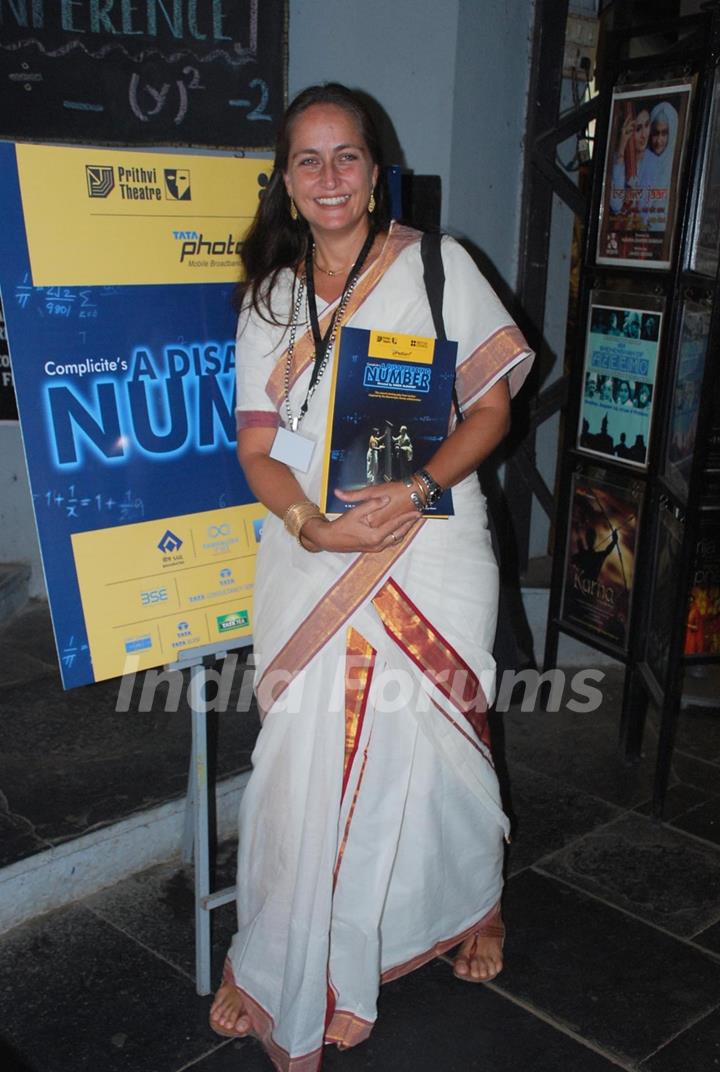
(479, 959)
(228, 1015)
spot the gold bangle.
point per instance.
(296, 516)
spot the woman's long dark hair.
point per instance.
(276, 241)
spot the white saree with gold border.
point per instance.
(371, 830)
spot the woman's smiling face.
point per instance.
(330, 174)
(642, 130)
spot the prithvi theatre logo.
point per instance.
(100, 180)
(177, 184)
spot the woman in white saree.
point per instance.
(371, 831)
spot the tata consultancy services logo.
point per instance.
(170, 542)
(237, 620)
(100, 180)
(177, 184)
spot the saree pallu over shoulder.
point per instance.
(398, 239)
(504, 353)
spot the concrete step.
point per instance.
(81, 866)
(14, 588)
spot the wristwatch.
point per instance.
(433, 489)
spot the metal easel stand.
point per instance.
(196, 828)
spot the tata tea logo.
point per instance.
(239, 619)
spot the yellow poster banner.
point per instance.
(101, 217)
(154, 589)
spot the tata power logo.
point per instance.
(170, 542)
(216, 532)
(100, 180)
(220, 538)
(239, 619)
(177, 184)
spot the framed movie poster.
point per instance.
(600, 556)
(705, 251)
(702, 636)
(689, 369)
(643, 164)
(621, 348)
(668, 546)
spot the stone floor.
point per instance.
(613, 949)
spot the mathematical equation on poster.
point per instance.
(191, 72)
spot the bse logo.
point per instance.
(170, 542)
(177, 184)
(153, 595)
(100, 180)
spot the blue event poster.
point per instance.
(619, 380)
(126, 393)
(390, 409)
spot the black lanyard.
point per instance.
(321, 341)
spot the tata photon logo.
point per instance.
(177, 184)
(100, 180)
(169, 542)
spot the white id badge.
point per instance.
(293, 449)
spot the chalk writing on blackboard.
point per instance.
(188, 72)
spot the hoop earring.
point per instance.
(371, 202)
(293, 210)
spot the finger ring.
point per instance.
(394, 537)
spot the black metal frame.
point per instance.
(697, 52)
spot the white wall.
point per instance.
(453, 77)
(491, 85)
(401, 52)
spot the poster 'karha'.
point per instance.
(600, 557)
(643, 168)
(621, 351)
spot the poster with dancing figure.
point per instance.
(622, 343)
(643, 169)
(600, 556)
(687, 386)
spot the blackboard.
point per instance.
(139, 72)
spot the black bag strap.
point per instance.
(434, 278)
(505, 649)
